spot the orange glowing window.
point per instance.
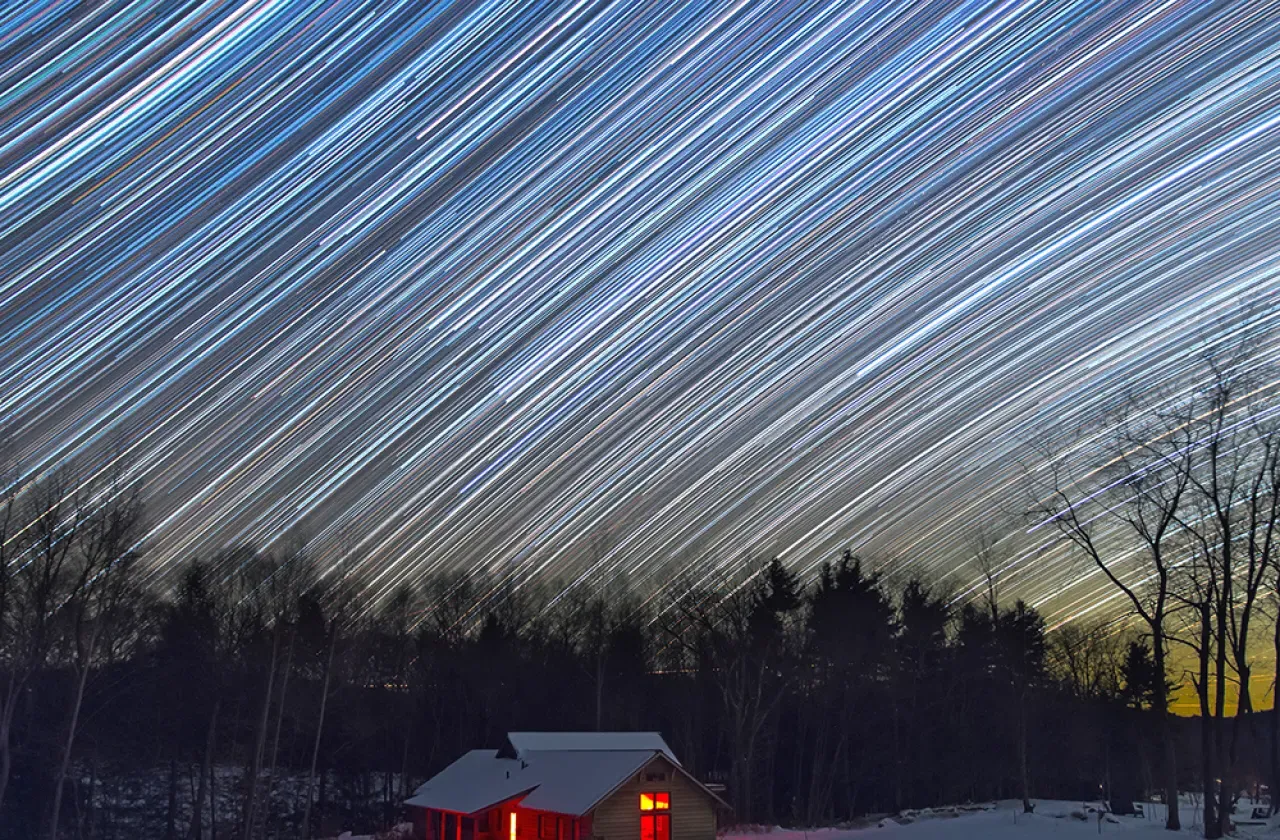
(655, 802)
(513, 825)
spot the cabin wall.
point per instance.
(527, 825)
(693, 815)
(430, 824)
(433, 824)
(530, 826)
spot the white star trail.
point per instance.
(566, 291)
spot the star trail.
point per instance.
(584, 290)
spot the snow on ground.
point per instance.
(998, 821)
(1005, 821)
(403, 831)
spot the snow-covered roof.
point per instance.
(476, 781)
(524, 742)
(563, 772)
(573, 782)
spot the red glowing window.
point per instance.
(655, 821)
(655, 826)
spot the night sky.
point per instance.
(577, 291)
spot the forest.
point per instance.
(811, 703)
(254, 694)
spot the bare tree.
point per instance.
(1135, 498)
(294, 579)
(272, 587)
(583, 625)
(337, 597)
(1232, 523)
(990, 557)
(1087, 657)
(102, 588)
(39, 588)
(740, 635)
(15, 656)
(204, 612)
(1197, 589)
(259, 611)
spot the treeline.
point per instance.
(259, 698)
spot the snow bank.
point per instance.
(1001, 821)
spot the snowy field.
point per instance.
(1005, 821)
(999, 821)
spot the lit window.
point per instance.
(655, 802)
(655, 826)
(513, 825)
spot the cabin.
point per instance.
(567, 786)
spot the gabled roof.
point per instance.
(575, 782)
(571, 779)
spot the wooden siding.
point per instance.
(693, 815)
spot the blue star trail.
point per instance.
(574, 291)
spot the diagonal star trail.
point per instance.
(583, 290)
